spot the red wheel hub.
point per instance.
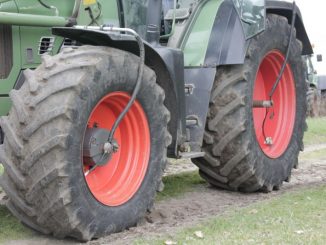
(275, 123)
(117, 182)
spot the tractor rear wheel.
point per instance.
(73, 98)
(250, 149)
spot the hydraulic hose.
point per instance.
(140, 69)
(271, 93)
(287, 52)
(138, 83)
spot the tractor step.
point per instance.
(187, 155)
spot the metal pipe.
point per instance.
(75, 11)
(32, 20)
(262, 104)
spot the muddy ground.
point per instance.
(171, 215)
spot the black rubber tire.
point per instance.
(41, 154)
(313, 102)
(234, 159)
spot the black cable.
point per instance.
(271, 93)
(133, 96)
(91, 15)
(264, 122)
(44, 5)
(136, 89)
(287, 52)
(99, 11)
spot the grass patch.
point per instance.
(10, 227)
(176, 185)
(294, 218)
(316, 133)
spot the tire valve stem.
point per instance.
(268, 141)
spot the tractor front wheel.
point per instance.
(57, 177)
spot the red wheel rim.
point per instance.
(280, 119)
(117, 182)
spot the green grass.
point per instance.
(316, 133)
(176, 185)
(294, 218)
(10, 228)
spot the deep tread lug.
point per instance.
(12, 170)
(11, 136)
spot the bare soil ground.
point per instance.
(169, 216)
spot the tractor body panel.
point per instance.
(199, 84)
(196, 40)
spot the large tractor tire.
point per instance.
(50, 185)
(238, 156)
(313, 102)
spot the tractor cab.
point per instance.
(139, 15)
(164, 14)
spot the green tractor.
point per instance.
(87, 132)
